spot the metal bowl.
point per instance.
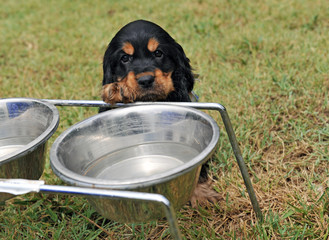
(25, 127)
(146, 148)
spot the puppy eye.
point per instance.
(158, 53)
(126, 58)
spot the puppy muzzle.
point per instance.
(145, 81)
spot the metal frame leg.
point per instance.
(241, 163)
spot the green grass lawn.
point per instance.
(267, 62)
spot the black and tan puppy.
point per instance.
(144, 63)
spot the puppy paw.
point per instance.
(117, 92)
(203, 194)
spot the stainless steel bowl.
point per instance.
(147, 148)
(25, 127)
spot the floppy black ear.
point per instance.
(182, 76)
(107, 75)
(107, 70)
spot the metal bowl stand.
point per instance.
(22, 186)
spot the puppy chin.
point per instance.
(151, 96)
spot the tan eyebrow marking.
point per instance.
(128, 48)
(152, 45)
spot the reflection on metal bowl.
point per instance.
(25, 127)
(146, 148)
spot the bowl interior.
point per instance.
(134, 145)
(24, 124)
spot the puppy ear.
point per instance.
(183, 72)
(107, 71)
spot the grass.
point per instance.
(265, 61)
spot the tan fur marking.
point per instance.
(128, 48)
(203, 194)
(111, 93)
(124, 91)
(152, 44)
(164, 79)
(132, 86)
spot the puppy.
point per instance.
(144, 63)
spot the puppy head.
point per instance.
(152, 61)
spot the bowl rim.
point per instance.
(73, 178)
(41, 139)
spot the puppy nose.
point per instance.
(145, 81)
